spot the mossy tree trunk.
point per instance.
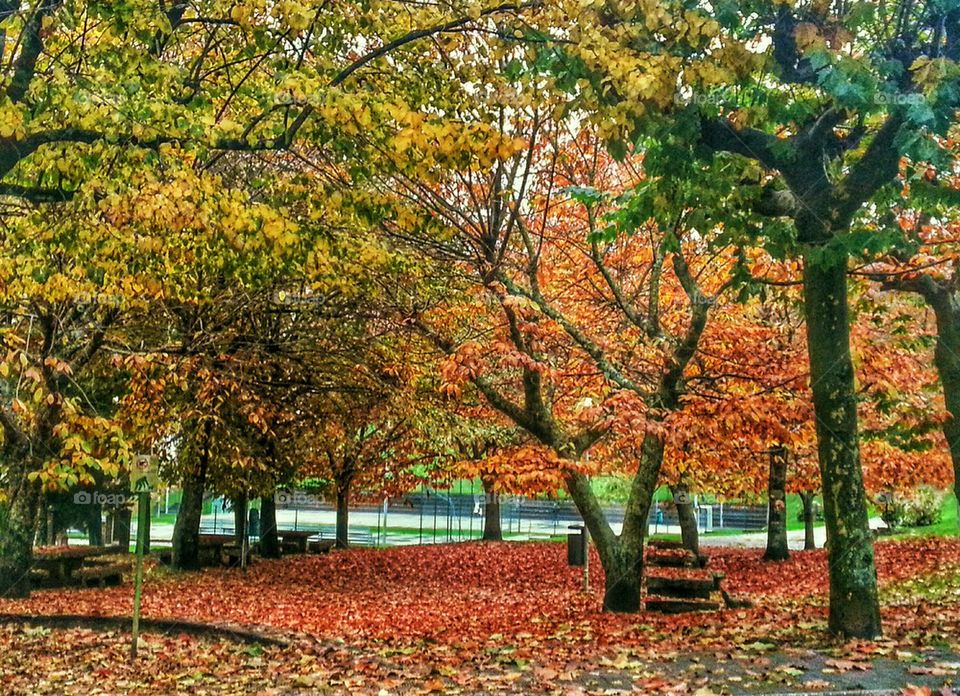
(777, 547)
(17, 527)
(854, 604)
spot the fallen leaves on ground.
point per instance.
(510, 617)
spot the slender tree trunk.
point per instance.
(689, 533)
(17, 526)
(186, 532)
(492, 530)
(809, 540)
(777, 548)
(343, 512)
(269, 541)
(854, 605)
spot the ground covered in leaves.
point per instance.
(487, 618)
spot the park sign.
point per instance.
(144, 476)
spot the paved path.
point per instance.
(463, 528)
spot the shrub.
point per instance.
(920, 509)
(923, 508)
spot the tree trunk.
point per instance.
(621, 557)
(688, 518)
(17, 526)
(186, 532)
(240, 519)
(854, 605)
(269, 541)
(95, 525)
(777, 548)
(121, 527)
(343, 513)
(809, 540)
(947, 361)
(492, 530)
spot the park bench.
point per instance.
(101, 574)
(320, 546)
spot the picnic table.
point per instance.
(213, 545)
(295, 540)
(62, 562)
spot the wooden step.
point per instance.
(683, 588)
(674, 605)
(677, 560)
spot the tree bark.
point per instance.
(186, 532)
(689, 533)
(17, 526)
(121, 527)
(240, 519)
(343, 512)
(492, 530)
(809, 540)
(269, 540)
(622, 557)
(947, 360)
(95, 525)
(854, 605)
(777, 548)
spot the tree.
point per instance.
(827, 112)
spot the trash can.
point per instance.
(253, 523)
(576, 545)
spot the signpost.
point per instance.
(143, 480)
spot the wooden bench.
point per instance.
(294, 541)
(101, 574)
(321, 546)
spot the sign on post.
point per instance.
(144, 476)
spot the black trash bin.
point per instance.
(576, 545)
(253, 523)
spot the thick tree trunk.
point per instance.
(343, 513)
(689, 533)
(777, 548)
(17, 527)
(240, 519)
(854, 605)
(121, 527)
(95, 525)
(492, 530)
(809, 540)
(947, 360)
(269, 541)
(621, 557)
(186, 532)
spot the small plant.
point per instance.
(921, 509)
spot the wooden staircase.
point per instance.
(678, 582)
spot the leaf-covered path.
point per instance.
(489, 617)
